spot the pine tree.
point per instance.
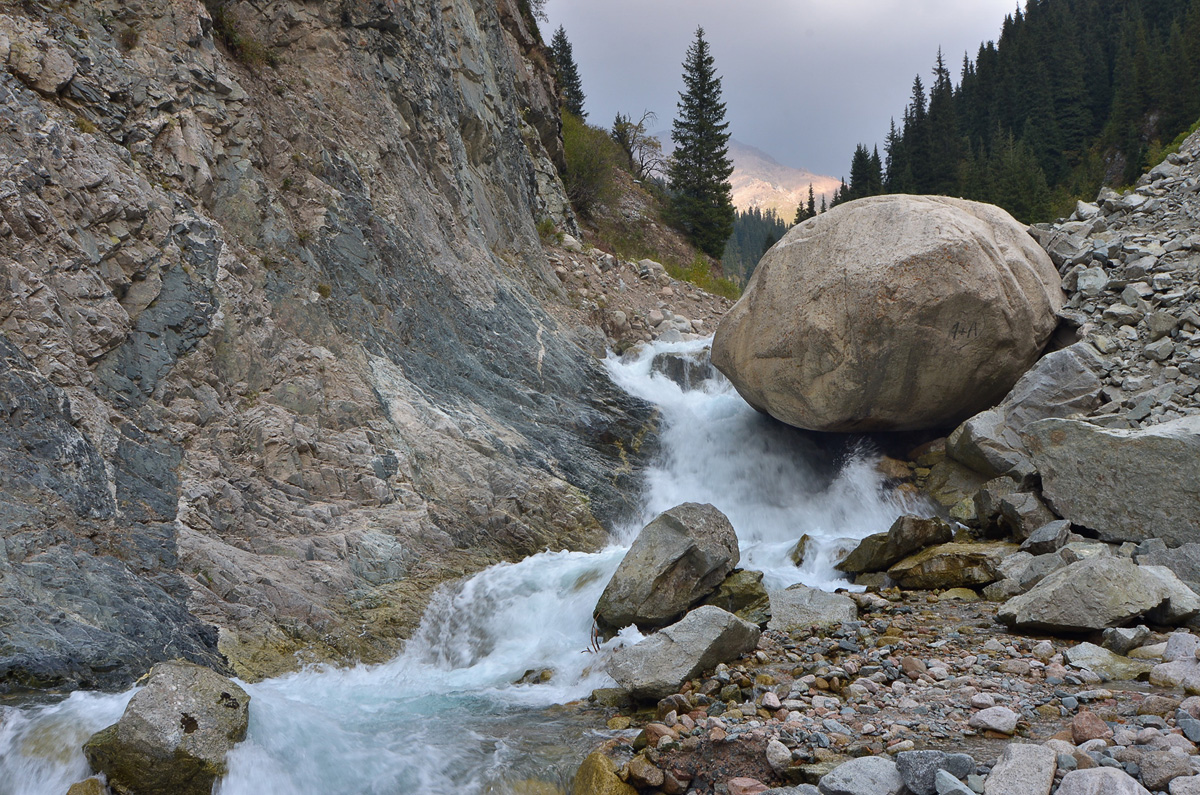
(698, 174)
(569, 84)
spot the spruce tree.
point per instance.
(699, 170)
(569, 85)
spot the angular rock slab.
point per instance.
(1100, 781)
(952, 565)
(656, 667)
(1089, 595)
(867, 775)
(677, 560)
(1108, 666)
(1023, 769)
(1062, 383)
(1125, 485)
(908, 534)
(915, 312)
(174, 734)
(801, 606)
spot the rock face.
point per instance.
(1094, 594)
(677, 560)
(174, 734)
(1127, 485)
(271, 335)
(654, 668)
(890, 313)
(1061, 384)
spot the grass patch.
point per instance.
(700, 274)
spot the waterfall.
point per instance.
(463, 708)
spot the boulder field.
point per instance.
(890, 313)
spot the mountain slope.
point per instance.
(761, 181)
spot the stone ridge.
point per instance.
(274, 331)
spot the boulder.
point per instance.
(1089, 595)
(688, 370)
(801, 606)
(598, 776)
(1048, 538)
(1183, 560)
(953, 565)
(655, 668)
(912, 312)
(677, 560)
(867, 775)
(919, 769)
(742, 593)
(1022, 513)
(1061, 384)
(1108, 666)
(908, 534)
(1100, 781)
(1125, 485)
(174, 734)
(1023, 769)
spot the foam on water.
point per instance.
(448, 715)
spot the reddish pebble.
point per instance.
(746, 786)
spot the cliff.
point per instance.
(274, 346)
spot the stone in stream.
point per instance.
(1023, 769)
(908, 534)
(174, 734)
(916, 312)
(801, 606)
(868, 775)
(1061, 384)
(655, 667)
(953, 565)
(1125, 485)
(742, 593)
(677, 560)
(598, 776)
(1090, 595)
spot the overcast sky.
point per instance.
(804, 80)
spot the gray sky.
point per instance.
(804, 80)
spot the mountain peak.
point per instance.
(760, 181)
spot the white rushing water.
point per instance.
(446, 715)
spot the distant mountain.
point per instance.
(760, 181)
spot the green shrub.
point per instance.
(591, 157)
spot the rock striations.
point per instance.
(273, 345)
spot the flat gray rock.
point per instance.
(1125, 485)
(801, 606)
(1108, 666)
(658, 665)
(1100, 781)
(1091, 594)
(868, 775)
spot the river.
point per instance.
(445, 717)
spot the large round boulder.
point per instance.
(891, 313)
(174, 734)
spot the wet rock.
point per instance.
(908, 534)
(742, 593)
(1023, 769)
(869, 775)
(655, 667)
(688, 370)
(953, 565)
(598, 776)
(1125, 485)
(1105, 664)
(175, 733)
(801, 606)
(676, 561)
(885, 333)
(89, 786)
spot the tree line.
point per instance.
(1074, 94)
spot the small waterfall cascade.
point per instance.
(468, 706)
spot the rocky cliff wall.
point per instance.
(274, 353)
